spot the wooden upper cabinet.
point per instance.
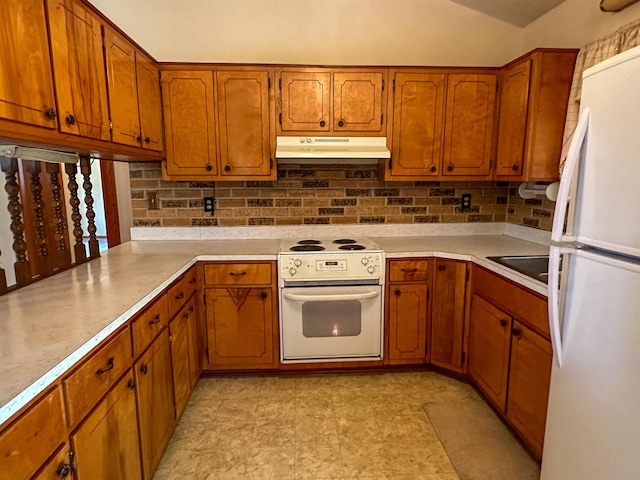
(123, 90)
(513, 118)
(448, 314)
(358, 102)
(418, 121)
(330, 101)
(306, 101)
(242, 99)
(189, 123)
(149, 103)
(533, 106)
(78, 65)
(469, 120)
(26, 83)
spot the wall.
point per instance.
(575, 23)
(352, 32)
(326, 195)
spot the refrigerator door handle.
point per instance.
(554, 303)
(568, 174)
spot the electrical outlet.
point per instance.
(152, 199)
(466, 201)
(208, 204)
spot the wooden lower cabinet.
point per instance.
(154, 395)
(106, 443)
(531, 359)
(489, 342)
(448, 315)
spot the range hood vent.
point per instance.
(37, 154)
(323, 149)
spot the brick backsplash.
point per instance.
(322, 194)
(536, 212)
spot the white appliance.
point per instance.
(331, 299)
(593, 419)
(331, 149)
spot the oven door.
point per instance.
(334, 322)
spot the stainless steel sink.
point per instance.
(534, 266)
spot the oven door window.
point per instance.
(331, 319)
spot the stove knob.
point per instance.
(371, 269)
(365, 261)
(292, 271)
(297, 262)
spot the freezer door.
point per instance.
(607, 213)
(593, 419)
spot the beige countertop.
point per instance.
(47, 327)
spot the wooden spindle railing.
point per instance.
(22, 267)
(76, 217)
(85, 169)
(41, 263)
(63, 255)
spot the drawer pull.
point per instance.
(180, 296)
(144, 369)
(193, 280)
(155, 320)
(109, 366)
(409, 270)
(234, 274)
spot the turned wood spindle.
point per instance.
(42, 261)
(22, 267)
(63, 255)
(85, 169)
(76, 217)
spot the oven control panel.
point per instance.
(331, 266)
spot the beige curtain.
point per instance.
(595, 52)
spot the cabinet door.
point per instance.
(240, 327)
(489, 342)
(149, 102)
(106, 442)
(418, 113)
(195, 363)
(189, 123)
(469, 125)
(514, 101)
(155, 401)
(529, 378)
(180, 360)
(407, 314)
(447, 315)
(123, 89)
(305, 99)
(78, 65)
(26, 83)
(357, 102)
(243, 123)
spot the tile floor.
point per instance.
(342, 426)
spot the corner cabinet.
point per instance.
(332, 101)
(218, 123)
(442, 125)
(534, 93)
(241, 314)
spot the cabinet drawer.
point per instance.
(515, 299)
(27, 444)
(408, 270)
(149, 324)
(238, 274)
(181, 291)
(84, 387)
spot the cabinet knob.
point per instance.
(341, 123)
(263, 295)
(397, 293)
(442, 267)
(70, 119)
(144, 369)
(450, 168)
(433, 168)
(227, 168)
(516, 332)
(131, 384)
(208, 168)
(185, 315)
(503, 322)
(138, 139)
(50, 113)
(322, 123)
(147, 140)
(515, 167)
(65, 471)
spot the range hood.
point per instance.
(37, 154)
(323, 149)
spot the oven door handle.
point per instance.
(330, 298)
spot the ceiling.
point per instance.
(517, 12)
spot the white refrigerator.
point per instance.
(593, 419)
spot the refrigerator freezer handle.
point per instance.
(554, 303)
(573, 157)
